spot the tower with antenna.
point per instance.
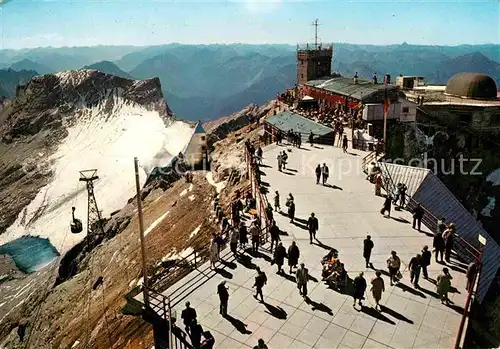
(313, 60)
(95, 229)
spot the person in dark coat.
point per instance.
(187, 316)
(243, 235)
(208, 341)
(293, 256)
(472, 270)
(418, 214)
(274, 231)
(359, 284)
(291, 210)
(367, 250)
(438, 245)
(279, 256)
(260, 281)
(449, 240)
(425, 261)
(386, 207)
(269, 212)
(311, 138)
(415, 267)
(345, 143)
(196, 333)
(313, 226)
(318, 173)
(223, 297)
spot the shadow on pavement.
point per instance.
(238, 324)
(223, 273)
(230, 265)
(394, 314)
(333, 186)
(376, 314)
(319, 306)
(246, 261)
(277, 312)
(406, 288)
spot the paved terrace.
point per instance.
(347, 212)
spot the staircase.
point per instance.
(371, 157)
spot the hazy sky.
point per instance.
(34, 23)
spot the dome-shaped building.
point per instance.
(472, 85)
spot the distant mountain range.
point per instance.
(207, 81)
(10, 79)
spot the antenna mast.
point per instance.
(315, 24)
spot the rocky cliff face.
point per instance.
(36, 121)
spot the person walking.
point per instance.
(418, 214)
(438, 245)
(425, 261)
(277, 207)
(386, 207)
(311, 139)
(274, 231)
(367, 250)
(443, 285)
(345, 143)
(284, 159)
(255, 232)
(196, 333)
(223, 293)
(393, 264)
(187, 316)
(415, 266)
(325, 172)
(378, 287)
(302, 277)
(260, 281)
(243, 234)
(318, 173)
(378, 184)
(449, 239)
(313, 226)
(293, 256)
(359, 284)
(279, 257)
(280, 161)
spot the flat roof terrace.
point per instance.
(347, 211)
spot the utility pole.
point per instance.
(141, 232)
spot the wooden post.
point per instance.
(141, 234)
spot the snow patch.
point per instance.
(181, 255)
(184, 192)
(191, 197)
(194, 232)
(75, 344)
(107, 142)
(218, 186)
(155, 223)
(132, 283)
(190, 187)
(2, 304)
(140, 281)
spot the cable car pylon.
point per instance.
(94, 220)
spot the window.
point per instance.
(406, 109)
(203, 138)
(203, 148)
(301, 76)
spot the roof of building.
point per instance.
(472, 85)
(290, 121)
(346, 86)
(426, 188)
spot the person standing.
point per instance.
(277, 207)
(260, 281)
(318, 173)
(367, 250)
(378, 287)
(284, 158)
(280, 162)
(345, 143)
(438, 245)
(291, 208)
(196, 333)
(325, 172)
(393, 264)
(443, 285)
(449, 238)
(293, 256)
(243, 235)
(441, 225)
(279, 256)
(415, 267)
(472, 270)
(418, 214)
(255, 232)
(313, 226)
(378, 184)
(425, 261)
(187, 316)
(359, 284)
(302, 276)
(223, 297)
(233, 242)
(260, 344)
(311, 139)
(274, 231)
(214, 251)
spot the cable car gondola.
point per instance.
(76, 224)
